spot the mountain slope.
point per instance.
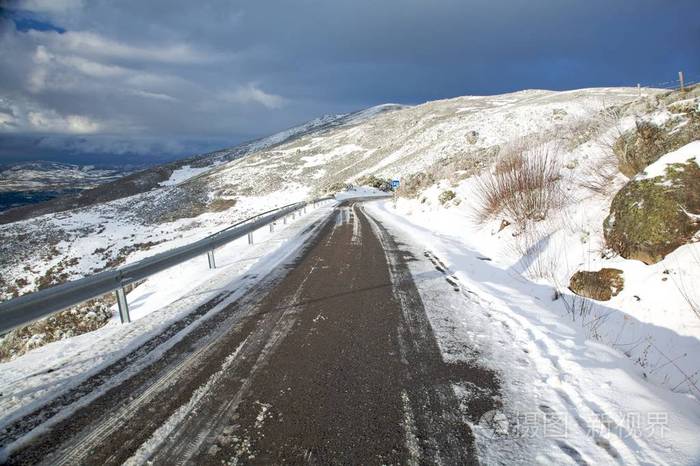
(113, 186)
(108, 226)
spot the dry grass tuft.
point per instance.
(524, 186)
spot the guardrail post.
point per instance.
(284, 220)
(272, 227)
(210, 258)
(123, 305)
(250, 238)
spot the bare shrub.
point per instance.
(383, 184)
(599, 177)
(453, 168)
(525, 185)
(609, 123)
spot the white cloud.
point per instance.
(6, 119)
(50, 6)
(86, 43)
(95, 69)
(51, 122)
(154, 95)
(49, 71)
(253, 94)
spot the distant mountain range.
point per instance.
(54, 176)
(32, 189)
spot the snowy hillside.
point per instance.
(191, 201)
(600, 309)
(433, 147)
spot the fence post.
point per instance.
(210, 258)
(680, 78)
(250, 238)
(123, 305)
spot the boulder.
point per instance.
(651, 217)
(601, 285)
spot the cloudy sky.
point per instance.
(115, 81)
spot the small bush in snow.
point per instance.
(446, 196)
(375, 182)
(525, 185)
(336, 187)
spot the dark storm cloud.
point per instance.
(174, 77)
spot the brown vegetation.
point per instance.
(525, 185)
(77, 320)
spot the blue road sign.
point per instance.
(395, 184)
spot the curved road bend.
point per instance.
(336, 363)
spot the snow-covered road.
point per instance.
(331, 359)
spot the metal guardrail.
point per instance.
(33, 306)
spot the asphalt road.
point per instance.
(331, 361)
